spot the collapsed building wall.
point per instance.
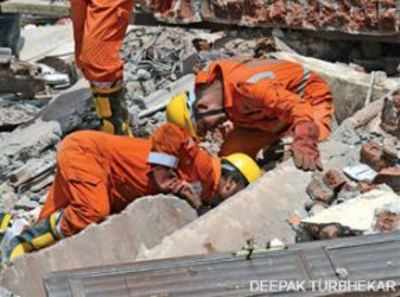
(364, 16)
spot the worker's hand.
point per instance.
(185, 190)
(225, 128)
(304, 149)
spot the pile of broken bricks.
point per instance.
(378, 172)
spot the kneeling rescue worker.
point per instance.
(256, 103)
(100, 174)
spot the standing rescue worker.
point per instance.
(99, 29)
(256, 103)
(100, 174)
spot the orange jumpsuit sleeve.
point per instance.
(287, 106)
(172, 140)
(195, 163)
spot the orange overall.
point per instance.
(100, 174)
(265, 98)
(99, 29)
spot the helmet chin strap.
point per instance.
(200, 115)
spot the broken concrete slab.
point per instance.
(22, 144)
(13, 114)
(349, 87)
(55, 9)
(141, 226)
(259, 212)
(45, 41)
(358, 213)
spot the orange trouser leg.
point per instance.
(318, 94)
(80, 187)
(99, 28)
(57, 198)
(89, 204)
(248, 141)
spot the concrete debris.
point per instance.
(334, 179)
(144, 223)
(373, 155)
(387, 218)
(357, 214)
(26, 204)
(351, 17)
(391, 115)
(45, 41)
(13, 114)
(360, 173)
(346, 199)
(389, 176)
(22, 144)
(6, 293)
(318, 190)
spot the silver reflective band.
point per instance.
(228, 167)
(163, 159)
(306, 76)
(260, 76)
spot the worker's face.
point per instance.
(209, 102)
(227, 188)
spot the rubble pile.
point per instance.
(340, 15)
(339, 194)
(155, 57)
(356, 194)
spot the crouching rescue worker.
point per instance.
(99, 29)
(100, 174)
(255, 103)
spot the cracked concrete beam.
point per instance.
(118, 240)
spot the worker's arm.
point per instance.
(292, 109)
(288, 106)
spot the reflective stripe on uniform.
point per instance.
(260, 76)
(163, 159)
(306, 76)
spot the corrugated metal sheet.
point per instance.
(374, 257)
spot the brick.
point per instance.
(387, 221)
(371, 154)
(390, 119)
(318, 190)
(389, 176)
(334, 179)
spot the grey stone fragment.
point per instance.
(25, 203)
(116, 241)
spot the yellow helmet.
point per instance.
(179, 113)
(246, 166)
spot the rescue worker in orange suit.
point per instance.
(99, 28)
(100, 174)
(256, 103)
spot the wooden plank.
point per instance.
(56, 9)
